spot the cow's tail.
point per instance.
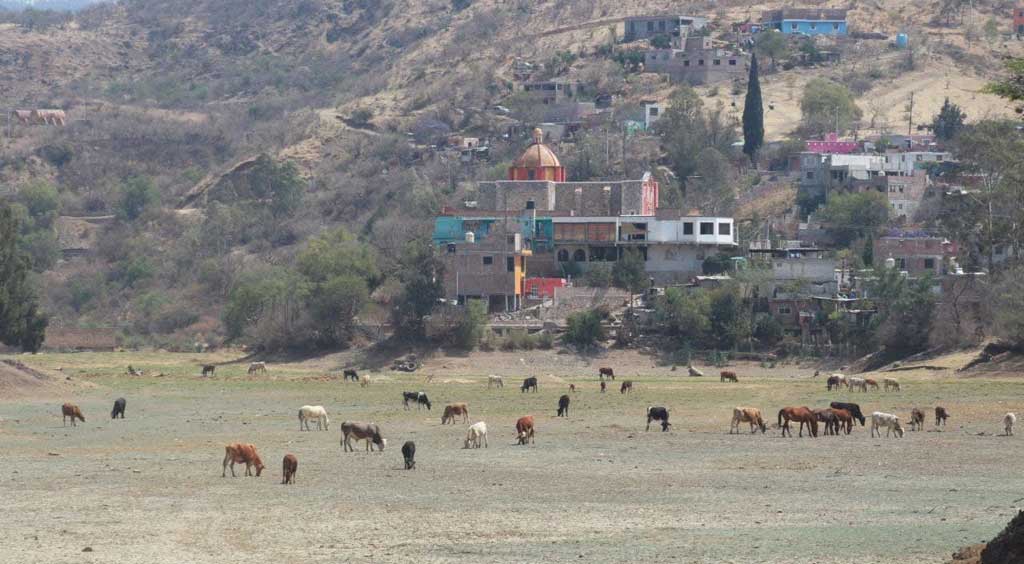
(781, 411)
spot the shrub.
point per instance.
(137, 195)
(584, 329)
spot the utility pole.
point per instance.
(910, 115)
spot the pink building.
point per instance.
(831, 145)
(543, 287)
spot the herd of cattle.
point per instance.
(837, 419)
(40, 117)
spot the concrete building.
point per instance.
(652, 113)
(554, 91)
(698, 62)
(905, 163)
(806, 21)
(646, 27)
(915, 253)
(491, 269)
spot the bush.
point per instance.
(598, 275)
(137, 195)
(584, 329)
(470, 327)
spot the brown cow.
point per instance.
(916, 419)
(750, 415)
(802, 414)
(871, 383)
(290, 465)
(359, 431)
(237, 454)
(727, 376)
(845, 419)
(940, 416)
(605, 371)
(450, 411)
(603, 386)
(71, 410)
(627, 386)
(524, 430)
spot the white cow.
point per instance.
(476, 432)
(887, 420)
(857, 384)
(1008, 421)
(495, 382)
(258, 368)
(316, 413)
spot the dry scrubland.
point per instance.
(595, 487)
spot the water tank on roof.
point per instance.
(902, 40)
(890, 263)
(470, 237)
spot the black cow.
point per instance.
(658, 414)
(119, 404)
(853, 408)
(832, 382)
(409, 453)
(208, 369)
(528, 383)
(563, 406)
(419, 398)
(349, 374)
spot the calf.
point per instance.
(1009, 420)
(239, 453)
(208, 369)
(476, 432)
(852, 408)
(658, 414)
(359, 431)
(727, 376)
(529, 383)
(563, 406)
(71, 410)
(119, 405)
(605, 371)
(916, 419)
(887, 420)
(525, 430)
(364, 380)
(940, 416)
(349, 374)
(603, 386)
(572, 388)
(289, 467)
(627, 386)
(409, 454)
(450, 411)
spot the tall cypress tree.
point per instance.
(753, 114)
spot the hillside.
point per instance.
(187, 94)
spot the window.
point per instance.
(700, 62)
(451, 248)
(563, 255)
(929, 263)
(810, 176)
(793, 27)
(686, 63)
(901, 263)
(732, 62)
(652, 111)
(717, 62)
(661, 26)
(650, 26)
(814, 26)
(688, 228)
(530, 174)
(725, 229)
(707, 228)
(601, 232)
(835, 27)
(579, 256)
(510, 264)
(900, 206)
(488, 260)
(784, 310)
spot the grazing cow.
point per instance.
(419, 398)
(495, 382)
(119, 405)
(572, 388)
(693, 371)
(529, 383)
(727, 376)
(603, 386)
(476, 432)
(364, 380)
(316, 413)
(832, 382)
(258, 368)
(71, 410)
(1009, 420)
(349, 374)
(359, 431)
(871, 383)
(750, 415)
(857, 384)
(627, 386)
(839, 378)
(845, 419)
(24, 117)
(916, 419)
(853, 408)
(605, 371)
(940, 416)
(563, 406)
(239, 453)
(450, 411)
(524, 430)
(409, 454)
(48, 117)
(288, 469)
(828, 417)
(887, 420)
(655, 413)
(208, 369)
(891, 384)
(803, 415)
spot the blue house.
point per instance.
(806, 21)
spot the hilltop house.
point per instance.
(698, 62)
(646, 27)
(915, 253)
(806, 21)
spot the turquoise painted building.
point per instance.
(806, 21)
(537, 233)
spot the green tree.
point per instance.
(753, 114)
(629, 273)
(767, 330)
(584, 329)
(684, 314)
(471, 324)
(1011, 87)
(21, 323)
(772, 44)
(713, 190)
(421, 273)
(598, 275)
(333, 307)
(686, 129)
(338, 253)
(266, 183)
(849, 217)
(905, 311)
(258, 296)
(1008, 306)
(949, 121)
(42, 201)
(726, 318)
(137, 195)
(828, 106)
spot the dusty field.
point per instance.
(595, 487)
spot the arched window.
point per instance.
(579, 256)
(563, 255)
